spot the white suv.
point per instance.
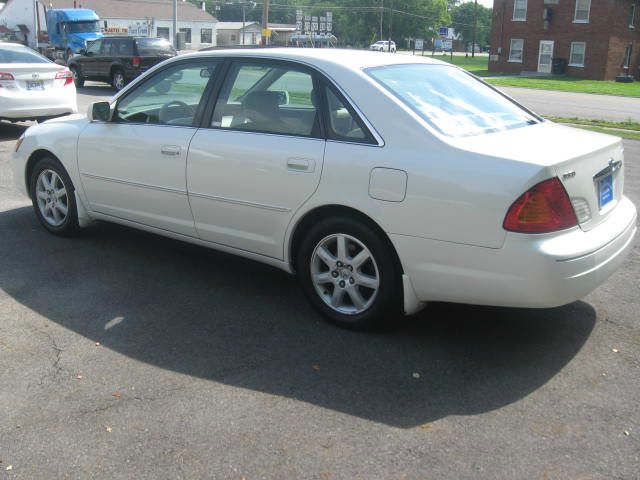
(383, 46)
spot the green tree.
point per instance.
(462, 21)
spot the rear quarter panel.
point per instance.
(453, 194)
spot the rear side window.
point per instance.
(148, 47)
(343, 123)
(268, 98)
(124, 48)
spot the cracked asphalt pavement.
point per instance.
(126, 355)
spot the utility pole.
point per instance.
(475, 29)
(244, 21)
(381, 19)
(265, 21)
(390, 27)
(175, 24)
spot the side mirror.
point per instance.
(100, 111)
(82, 51)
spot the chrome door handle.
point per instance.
(301, 164)
(171, 150)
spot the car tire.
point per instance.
(53, 197)
(117, 79)
(355, 286)
(78, 80)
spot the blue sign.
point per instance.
(444, 31)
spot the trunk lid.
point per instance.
(590, 165)
(32, 77)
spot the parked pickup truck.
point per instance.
(118, 60)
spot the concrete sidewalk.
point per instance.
(580, 105)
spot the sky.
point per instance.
(486, 3)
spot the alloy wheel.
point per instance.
(52, 198)
(345, 274)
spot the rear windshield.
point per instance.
(154, 46)
(450, 100)
(20, 55)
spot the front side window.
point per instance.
(170, 97)
(576, 59)
(94, 48)
(451, 100)
(520, 10)
(206, 35)
(516, 50)
(109, 48)
(268, 98)
(582, 11)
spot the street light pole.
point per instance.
(390, 27)
(244, 21)
(175, 24)
(475, 29)
(265, 21)
(381, 19)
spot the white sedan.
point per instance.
(32, 87)
(383, 182)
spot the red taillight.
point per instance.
(135, 61)
(545, 208)
(65, 75)
(6, 76)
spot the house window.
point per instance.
(582, 11)
(632, 15)
(206, 35)
(515, 51)
(576, 58)
(187, 34)
(520, 10)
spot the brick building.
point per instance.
(599, 39)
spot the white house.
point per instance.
(231, 33)
(149, 18)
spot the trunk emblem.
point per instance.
(568, 175)
(35, 75)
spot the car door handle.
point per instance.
(171, 150)
(301, 164)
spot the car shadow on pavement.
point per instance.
(12, 131)
(202, 313)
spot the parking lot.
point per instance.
(127, 355)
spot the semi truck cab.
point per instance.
(71, 29)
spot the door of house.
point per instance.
(545, 56)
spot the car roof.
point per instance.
(349, 59)
(13, 45)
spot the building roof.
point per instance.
(138, 9)
(282, 27)
(234, 25)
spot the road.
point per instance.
(126, 355)
(577, 105)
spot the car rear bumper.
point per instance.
(529, 271)
(56, 102)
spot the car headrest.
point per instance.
(266, 103)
